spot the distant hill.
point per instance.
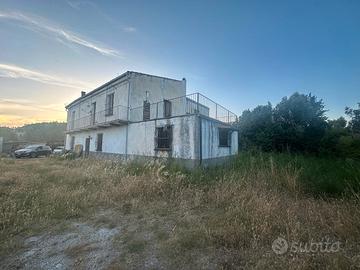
(39, 132)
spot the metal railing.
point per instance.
(109, 115)
(190, 104)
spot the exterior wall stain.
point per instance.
(195, 138)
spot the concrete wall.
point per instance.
(138, 84)
(114, 139)
(210, 140)
(141, 135)
(141, 138)
(83, 108)
(158, 89)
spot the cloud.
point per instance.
(129, 29)
(21, 105)
(17, 112)
(9, 120)
(78, 4)
(39, 24)
(12, 71)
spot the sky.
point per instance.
(238, 53)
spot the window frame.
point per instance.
(99, 142)
(72, 143)
(93, 113)
(146, 113)
(72, 119)
(169, 137)
(167, 108)
(109, 104)
(221, 131)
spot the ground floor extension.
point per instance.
(188, 139)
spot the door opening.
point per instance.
(87, 147)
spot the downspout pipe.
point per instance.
(200, 139)
(128, 119)
(200, 129)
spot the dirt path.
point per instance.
(108, 240)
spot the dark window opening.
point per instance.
(163, 137)
(167, 108)
(72, 120)
(72, 143)
(99, 142)
(109, 105)
(93, 113)
(224, 137)
(146, 110)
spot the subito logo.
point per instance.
(280, 246)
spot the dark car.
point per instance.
(33, 151)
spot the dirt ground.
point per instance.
(108, 240)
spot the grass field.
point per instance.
(158, 216)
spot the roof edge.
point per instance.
(98, 88)
(127, 73)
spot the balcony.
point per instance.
(117, 116)
(190, 104)
(120, 115)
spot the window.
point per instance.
(163, 137)
(224, 137)
(72, 142)
(72, 120)
(99, 142)
(167, 108)
(109, 104)
(93, 113)
(146, 110)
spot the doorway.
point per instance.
(87, 147)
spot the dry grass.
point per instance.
(229, 220)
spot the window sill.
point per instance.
(225, 146)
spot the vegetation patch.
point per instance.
(224, 217)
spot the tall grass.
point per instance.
(318, 176)
(235, 211)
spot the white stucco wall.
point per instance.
(210, 140)
(83, 108)
(141, 138)
(141, 135)
(137, 84)
(113, 139)
(158, 89)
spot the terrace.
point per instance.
(121, 115)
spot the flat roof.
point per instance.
(127, 73)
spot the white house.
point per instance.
(143, 116)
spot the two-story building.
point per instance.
(137, 115)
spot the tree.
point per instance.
(337, 124)
(354, 114)
(256, 128)
(300, 123)
(44, 132)
(8, 134)
(330, 143)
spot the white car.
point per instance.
(59, 150)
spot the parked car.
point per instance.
(59, 150)
(33, 151)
